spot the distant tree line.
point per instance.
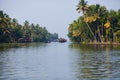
(12, 31)
(97, 24)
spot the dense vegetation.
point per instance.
(12, 31)
(97, 24)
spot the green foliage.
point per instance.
(12, 31)
(96, 24)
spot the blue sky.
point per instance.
(55, 15)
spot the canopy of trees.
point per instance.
(96, 24)
(12, 31)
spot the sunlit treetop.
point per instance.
(90, 19)
(76, 33)
(107, 24)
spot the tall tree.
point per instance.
(82, 6)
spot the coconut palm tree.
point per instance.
(83, 7)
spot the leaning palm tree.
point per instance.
(83, 7)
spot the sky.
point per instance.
(55, 15)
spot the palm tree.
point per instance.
(4, 27)
(82, 6)
(113, 18)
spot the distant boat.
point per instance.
(62, 40)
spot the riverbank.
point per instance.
(105, 43)
(98, 43)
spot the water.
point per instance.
(59, 61)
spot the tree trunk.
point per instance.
(99, 35)
(89, 27)
(91, 31)
(114, 37)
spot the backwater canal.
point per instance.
(59, 61)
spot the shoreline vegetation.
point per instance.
(97, 25)
(13, 32)
(97, 43)
(104, 43)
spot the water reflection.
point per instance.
(8, 46)
(97, 62)
(35, 61)
(56, 61)
(19, 61)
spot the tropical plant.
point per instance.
(102, 25)
(12, 31)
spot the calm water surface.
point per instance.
(59, 61)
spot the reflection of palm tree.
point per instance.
(91, 64)
(82, 6)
